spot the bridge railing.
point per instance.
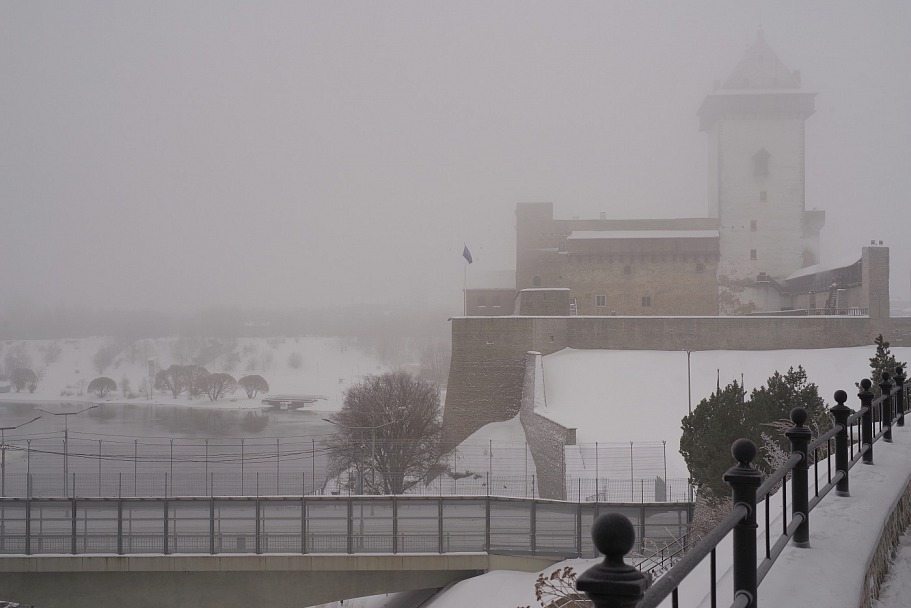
(613, 583)
(319, 524)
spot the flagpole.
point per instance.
(465, 290)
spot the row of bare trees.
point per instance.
(195, 380)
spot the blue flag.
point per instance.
(467, 254)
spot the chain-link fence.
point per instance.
(76, 465)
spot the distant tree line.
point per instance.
(195, 380)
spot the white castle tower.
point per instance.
(755, 124)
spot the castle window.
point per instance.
(627, 269)
(700, 267)
(646, 301)
(753, 225)
(752, 254)
(536, 281)
(763, 196)
(601, 301)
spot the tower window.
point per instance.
(536, 281)
(761, 163)
(753, 225)
(646, 301)
(752, 254)
(627, 269)
(700, 267)
(601, 301)
(763, 196)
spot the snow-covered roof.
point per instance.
(642, 234)
(844, 262)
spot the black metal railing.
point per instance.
(612, 583)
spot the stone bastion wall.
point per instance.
(490, 354)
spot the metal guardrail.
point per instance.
(319, 524)
(612, 584)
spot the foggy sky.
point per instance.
(176, 155)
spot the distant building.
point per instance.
(758, 249)
(492, 294)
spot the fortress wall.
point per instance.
(486, 373)
(900, 333)
(489, 354)
(545, 437)
(718, 333)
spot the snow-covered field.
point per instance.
(306, 365)
(642, 395)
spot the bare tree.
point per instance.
(174, 380)
(22, 377)
(217, 385)
(197, 379)
(18, 356)
(253, 384)
(101, 386)
(388, 432)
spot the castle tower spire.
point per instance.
(755, 125)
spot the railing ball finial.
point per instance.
(613, 583)
(841, 397)
(886, 376)
(865, 384)
(744, 451)
(614, 536)
(799, 416)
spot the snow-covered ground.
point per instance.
(642, 395)
(591, 390)
(305, 365)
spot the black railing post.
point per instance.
(866, 401)
(613, 583)
(799, 436)
(900, 395)
(841, 412)
(744, 481)
(886, 387)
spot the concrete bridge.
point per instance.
(279, 581)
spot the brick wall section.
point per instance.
(717, 333)
(900, 332)
(486, 373)
(544, 301)
(875, 279)
(545, 437)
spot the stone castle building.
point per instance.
(746, 277)
(752, 253)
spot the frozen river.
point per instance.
(144, 449)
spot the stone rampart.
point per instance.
(900, 333)
(545, 437)
(488, 368)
